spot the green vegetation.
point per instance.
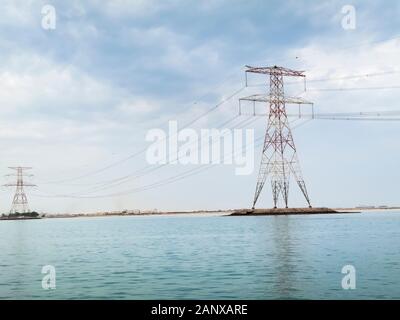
(18, 215)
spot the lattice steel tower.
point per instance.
(20, 201)
(279, 156)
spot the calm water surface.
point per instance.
(206, 257)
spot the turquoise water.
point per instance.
(206, 257)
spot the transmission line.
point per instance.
(166, 181)
(149, 168)
(95, 172)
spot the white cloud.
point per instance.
(321, 62)
(176, 51)
(30, 83)
(138, 8)
(19, 13)
(137, 106)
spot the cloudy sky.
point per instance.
(77, 101)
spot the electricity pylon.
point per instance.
(20, 201)
(279, 156)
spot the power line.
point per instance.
(95, 172)
(354, 113)
(388, 115)
(356, 116)
(359, 119)
(162, 182)
(355, 88)
(149, 168)
(141, 172)
(343, 48)
(366, 75)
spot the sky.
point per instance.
(77, 101)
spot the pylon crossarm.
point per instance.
(16, 175)
(267, 98)
(16, 185)
(276, 71)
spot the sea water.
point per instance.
(202, 257)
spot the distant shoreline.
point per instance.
(19, 218)
(368, 209)
(136, 214)
(127, 213)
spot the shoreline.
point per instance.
(20, 218)
(141, 214)
(228, 212)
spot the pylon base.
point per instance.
(285, 211)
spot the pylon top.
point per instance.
(275, 70)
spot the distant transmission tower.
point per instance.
(20, 201)
(279, 157)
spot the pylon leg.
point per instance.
(262, 176)
(279, 160)
(295, 169)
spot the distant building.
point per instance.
(365, 207)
